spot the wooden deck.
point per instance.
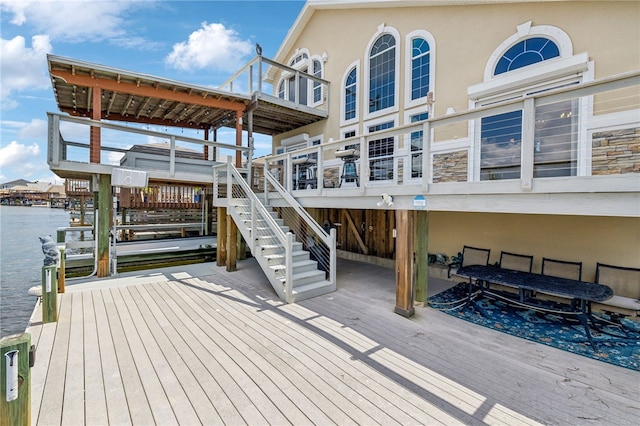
(196, 345)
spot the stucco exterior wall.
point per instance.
(588, 239)
(465, 37)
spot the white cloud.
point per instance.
(212, 46)
(16, 155)
(36, 128)
(22, 67)
(72, 21)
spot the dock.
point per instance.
(197, 345)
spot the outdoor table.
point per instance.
(580, 293)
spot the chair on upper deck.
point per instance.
(471, 256)
(516, 262)
(562, 268)
(625, 283)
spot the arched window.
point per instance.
(382, 73)
(527, 52)
(420, 59)
(543, 56)
(317, 87)
(350, 95)
(281, 90)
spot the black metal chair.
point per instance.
(562, 268)
(625, 283)
(516, 262)
(470, 256)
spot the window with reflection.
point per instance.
(420, 59)
(417, 146)
(555, 131)
(350, 95)
(382, 73)
(381, 154)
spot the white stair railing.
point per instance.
(257, 223)
(315, 239)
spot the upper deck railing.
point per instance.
(163, 155)
(303, 90)
(583, 138)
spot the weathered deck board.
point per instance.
(197, 345)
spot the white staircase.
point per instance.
(299, 263)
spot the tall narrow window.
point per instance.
(317, 87)
(420, 59)
(350, 95)
(281, 90)
(417, 146)
(382, 73)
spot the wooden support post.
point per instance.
(94, 132)
(61, 270)
(242, 247)
(421, 239)
(103, 224)
(49, 294)
(15, 400)
(404, 263)
(221, 250)
(232, 247)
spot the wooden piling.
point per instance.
(17, 411)
(49, 294)
(404, 263)
(61, 271)
(221, 249)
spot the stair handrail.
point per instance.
(329, 239)
(234, 177)
(238, 179)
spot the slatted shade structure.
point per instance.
(135, 97)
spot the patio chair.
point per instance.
(562, 268)
(625, 283)
(516, 262)
(470, 256)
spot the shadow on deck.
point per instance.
(194, 344)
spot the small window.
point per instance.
(527, 52)
(349, 134)
(281, 90)
(382, 73)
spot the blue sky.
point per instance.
(197, 42)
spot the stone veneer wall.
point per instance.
(616, 152)
(450, 167)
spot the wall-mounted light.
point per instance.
(325, 56)
(386, 199)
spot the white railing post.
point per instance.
(426, 156)
(253, 233)
(364, 164)
(319, 172)
(54, 137)
(289, 267)
(332, 256)
(528, 144)
(172, 156)
(229, 181)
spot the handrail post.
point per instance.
(426, 155)
(254, 235)
(229, 181)
(172, 156)
(332, 256)
(289, 267)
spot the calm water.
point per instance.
(21, 260)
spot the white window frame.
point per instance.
(408, 49)
(405, 152)
(392, 117)
(517, 83)
(382, 29)
(343, 94)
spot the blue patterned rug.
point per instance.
(547, 329)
